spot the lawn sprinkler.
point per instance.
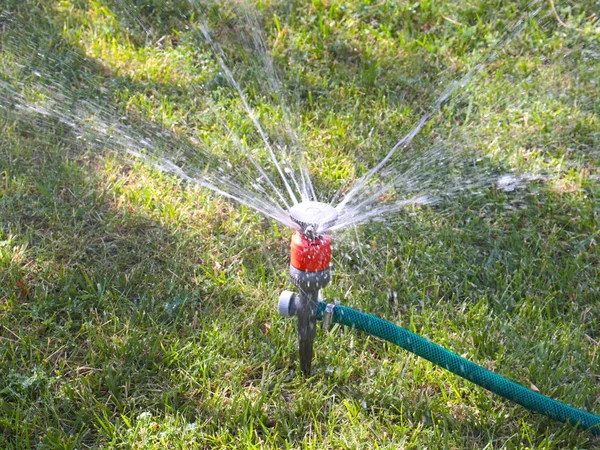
(309, 272)
(310, 257)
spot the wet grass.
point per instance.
(137, 311)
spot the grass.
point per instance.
(137, 311)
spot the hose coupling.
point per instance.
(328, 315)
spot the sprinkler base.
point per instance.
(304, 306)
(309, 281)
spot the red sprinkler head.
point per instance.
(310, 255)
(310, 246)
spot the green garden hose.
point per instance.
(463, 368)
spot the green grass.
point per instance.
(137, 311)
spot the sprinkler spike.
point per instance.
(306, 355)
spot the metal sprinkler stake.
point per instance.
(309, 272)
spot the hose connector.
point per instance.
(328, 316)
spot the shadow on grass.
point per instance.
(104, 294)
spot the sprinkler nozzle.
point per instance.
(313, 218)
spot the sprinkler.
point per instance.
(310, 257)
(309, 272)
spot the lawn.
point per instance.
(138, 310)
